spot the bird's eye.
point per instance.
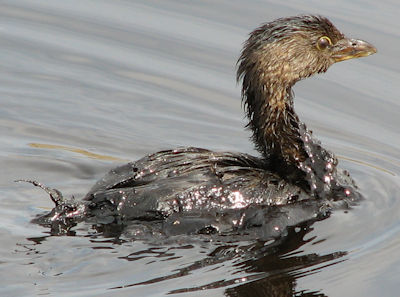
(323, 42)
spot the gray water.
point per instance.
(87, 85)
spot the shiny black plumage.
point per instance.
(191, 179)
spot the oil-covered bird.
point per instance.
(193, 184)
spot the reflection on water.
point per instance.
(81, 81)
(257, 268)
(75, 150)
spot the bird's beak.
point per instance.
(351, 48)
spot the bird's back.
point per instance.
(188, 180)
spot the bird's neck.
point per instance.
(275, 125)
(286, 142)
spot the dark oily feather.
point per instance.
(190, 179)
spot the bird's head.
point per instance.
(289, 49)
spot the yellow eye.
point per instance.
(323, 42)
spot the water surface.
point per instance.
(87, 85)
